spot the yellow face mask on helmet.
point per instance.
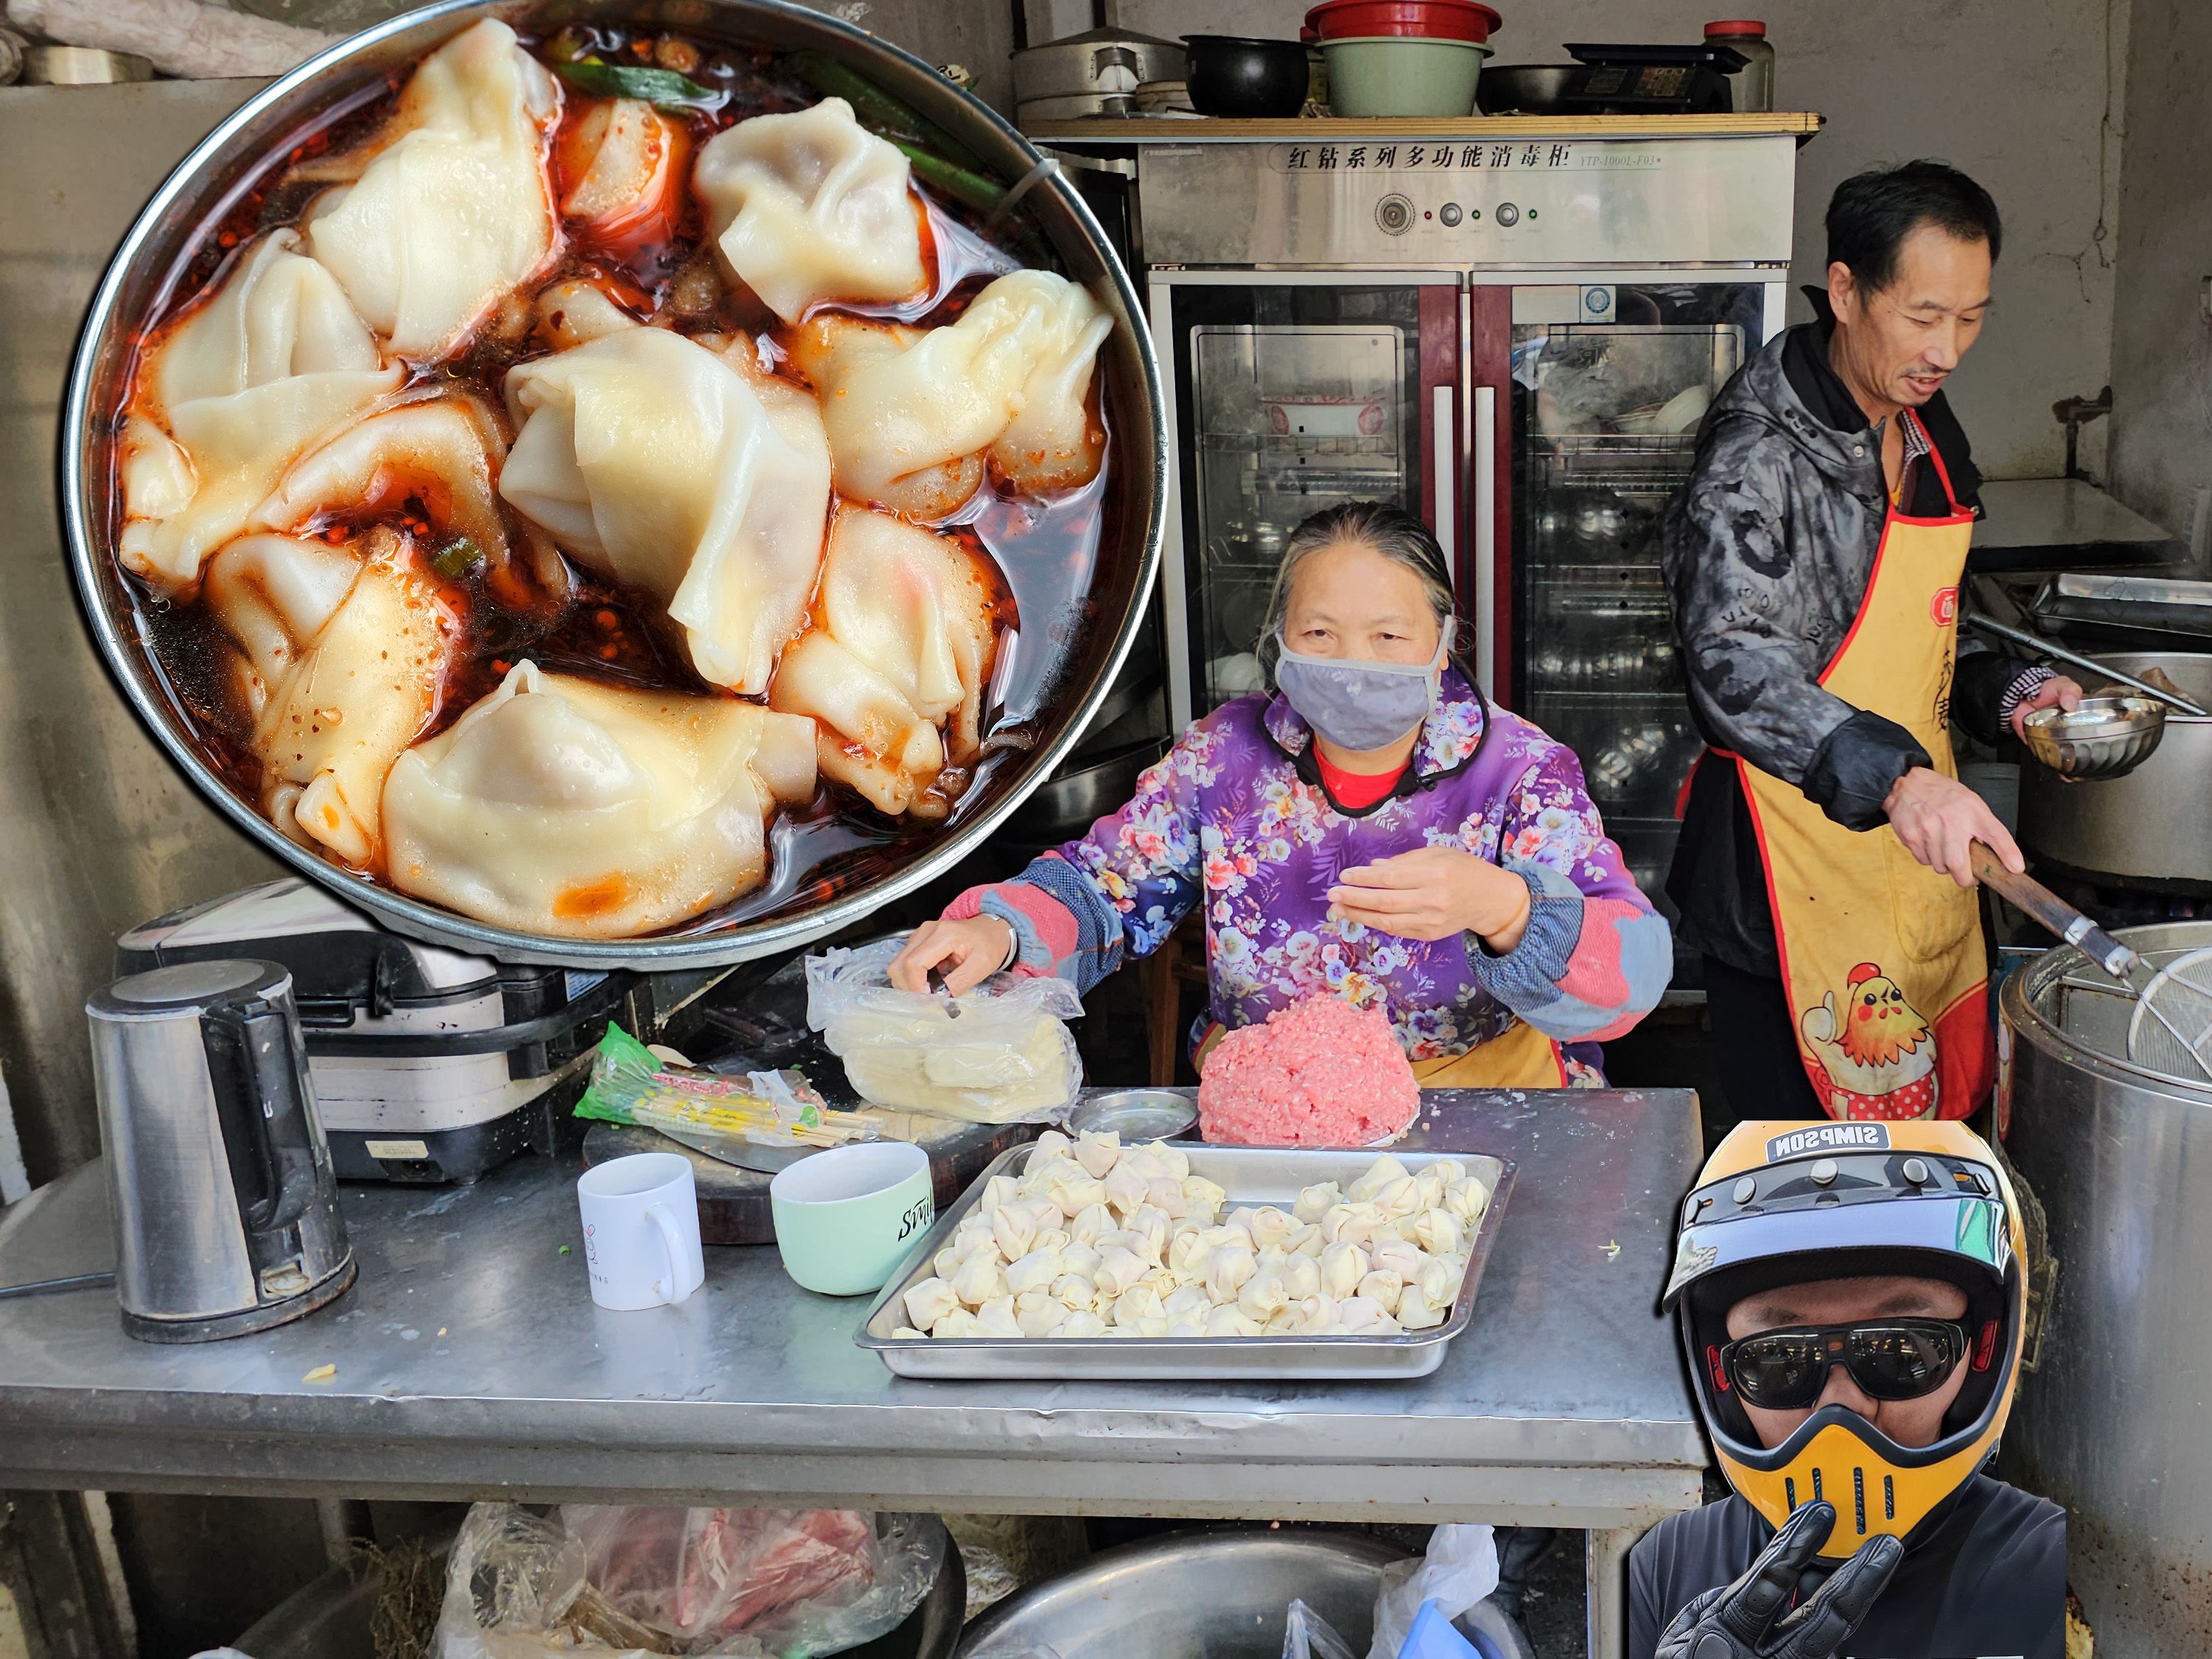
(1788, 1203)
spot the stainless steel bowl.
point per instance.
(2104, 737)
(253, 141)
(1136, 1115)
(1221, 1593)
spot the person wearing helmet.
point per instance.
(1852, 1302)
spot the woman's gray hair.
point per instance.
(1383, 528)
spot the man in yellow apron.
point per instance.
(1814, 559)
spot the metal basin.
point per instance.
(2099, 737)
(253, 141)
(1190, 1595)
(2152, 827)
(2110, 1419)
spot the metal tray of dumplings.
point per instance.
(1249, 1175)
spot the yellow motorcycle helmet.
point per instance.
(1782, 1203)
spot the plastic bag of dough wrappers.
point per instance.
(715, 1583)
(1005, 1055)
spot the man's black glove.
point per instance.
(1732, 1622)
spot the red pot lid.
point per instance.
(1742, 26)
(1436, 20)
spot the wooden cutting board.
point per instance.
(733, 1207)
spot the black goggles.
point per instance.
(1889, 1359)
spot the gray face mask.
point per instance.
(1361, 706)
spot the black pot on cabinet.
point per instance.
(1238, 76)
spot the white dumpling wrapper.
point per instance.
(901, 405)
(452, 443)
(453, 209)
(905, 639)
(346, 655)
(811, 206)
(666, 466)
(928, 1302)
(273, 362)
(561, 806)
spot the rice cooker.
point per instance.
(428, 1064)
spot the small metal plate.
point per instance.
(1250, 1176)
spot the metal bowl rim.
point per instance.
(127, 665)
(1362, 1548)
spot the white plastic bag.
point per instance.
(1003, 1056)
(721, 1582)
(1459, 1569)
(1307, 1635)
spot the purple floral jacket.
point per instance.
(1234, 819)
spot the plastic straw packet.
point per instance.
(630, 1083)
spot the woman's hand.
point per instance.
(1431, 894)
(2060, 692)
(966, 952)
(1939, 820)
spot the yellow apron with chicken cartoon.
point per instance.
(1881, 957)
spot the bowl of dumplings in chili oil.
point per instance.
(628, 485)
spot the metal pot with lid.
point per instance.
(2110, 1424)
(2147, 828)
(1100, 62)
(1076, 650)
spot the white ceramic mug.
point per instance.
(642, 1230)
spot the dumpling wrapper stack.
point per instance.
(564, 806)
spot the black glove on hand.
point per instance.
(1732, 1622)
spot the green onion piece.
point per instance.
(662, 89)
(458, 555)
(876, 108)
(958, 183)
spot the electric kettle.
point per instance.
(220, 1186)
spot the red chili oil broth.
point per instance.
(1041, 553)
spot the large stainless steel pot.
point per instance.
(2111, 1420)
(2153, 826)
(254, 139)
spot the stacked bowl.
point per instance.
(1403, 58)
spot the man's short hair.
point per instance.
(1871, 214)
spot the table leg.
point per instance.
(1605, 1565)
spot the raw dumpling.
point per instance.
(276, 360)
(449, 207)
(561, 806)
(904, 643)
(910, 413)
(347, 651)
(676, 471)
(811, 206)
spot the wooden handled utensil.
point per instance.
(2177, 997)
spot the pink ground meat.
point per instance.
(1319, 1073)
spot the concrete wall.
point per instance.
(2161, 417)
(2013, 91)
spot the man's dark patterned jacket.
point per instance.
(1767, 551)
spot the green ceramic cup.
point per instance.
(846, 1216)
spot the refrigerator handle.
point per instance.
(1485, 539)
(1444, 461)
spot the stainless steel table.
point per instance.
(470, 1362)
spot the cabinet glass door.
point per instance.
(1290, 399)
(1605, 419)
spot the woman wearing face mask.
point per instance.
(1376, 830)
